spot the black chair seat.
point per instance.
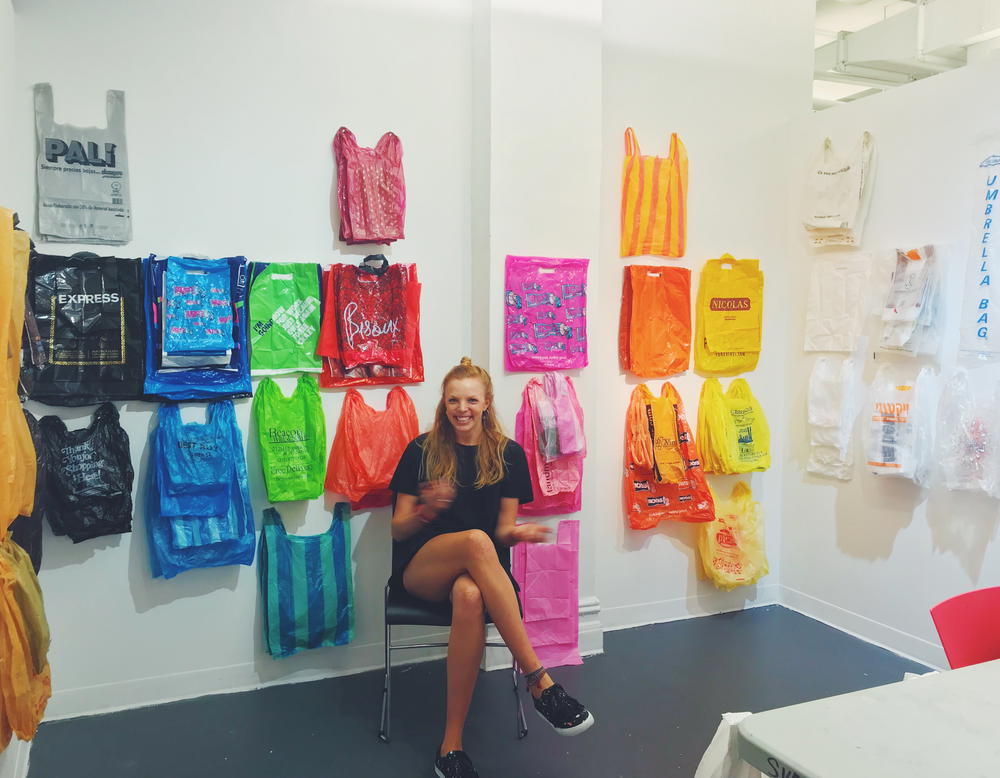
(401, 607)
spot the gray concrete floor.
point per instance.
(657, 694)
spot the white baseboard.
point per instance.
(903, 643)
(706, 604)
(14, 760)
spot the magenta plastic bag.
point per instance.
(548, 575)
(545, 313)
(371, 191)
(555, 481)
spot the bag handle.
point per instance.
(44, 108)
(631, 144)
(115, 110)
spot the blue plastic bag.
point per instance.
(167, 559)
(197, 307)
(227, 375)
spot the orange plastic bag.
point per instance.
(654, 200)
(648, 500)
(367, 447)
(654, 329)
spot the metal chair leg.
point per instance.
(383, 732)
(522, 724)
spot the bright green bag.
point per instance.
(292, 435)
(285, 319)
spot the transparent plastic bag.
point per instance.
(900, 439)
(913, 312)
(968, 450)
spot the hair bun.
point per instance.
(465, 362)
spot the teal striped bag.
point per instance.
(305, 585)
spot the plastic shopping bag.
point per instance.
(284, 318)
(722, 759)
(838, 194)
(306, 585)
(545, 313)
(368, 445)
(969, 437)
(730, 311)
(733, 433)
(654, 200)
(837, 303)
(649, 500)
(732, 546)
(831, 411)
(548, 576)
(82, 175)
(371, 191)
(292, 436)
(913, 313)
(654, 330)
(900, 440)
(197, 307)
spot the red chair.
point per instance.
(969, 627)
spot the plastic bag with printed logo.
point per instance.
(913, 312)
(732, 546)
(197, 308)
(900, 439)
(729, 317)
(733, 433)
(284, 318)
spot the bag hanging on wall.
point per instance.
(831, 414)
(91, 339)
(732, 546)
(306, 585)
(548, 576)
(26, 529)
(184, 474)
(88, 476)
(82, 176)
(733, 433)
(913, 314)
(978, 338)
(197, 308)
(654, 200)
(216, 375)
(649, 500)
(284, 318)
(292, 436)
(968, 432)
(837, 303)
(25, 677)
(729, 319)
(900, 439)
(371, 190)
(654, 330)
(367, 447)
(838, 194)
(545, 313)
(553, 443)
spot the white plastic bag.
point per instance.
(831, 413)
(900, 437)
(968, 450)
(721, 759)
(913, 314)
(838, 293)
(838, 194)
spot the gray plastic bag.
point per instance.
(82, 175)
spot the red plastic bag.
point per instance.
(367, 447)
(371, 319)
(371, 192)
(654, 332)
(648, 501)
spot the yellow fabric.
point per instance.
(662, 419)
(729, 316)
(733, 433)
(654, 200)
(732, 547)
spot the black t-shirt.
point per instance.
(473, 508)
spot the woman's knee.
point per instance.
(478, 546)
(466, 598)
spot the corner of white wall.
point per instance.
(14, 760)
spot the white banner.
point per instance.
(980, 325)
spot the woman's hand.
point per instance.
(435, 497)
(529, 533)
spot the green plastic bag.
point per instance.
(285, 319)
(292, 435)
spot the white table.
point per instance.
(938, 725)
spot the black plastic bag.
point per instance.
(91, 339)
(27, 530)
(88, 475)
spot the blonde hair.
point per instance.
(440, 460)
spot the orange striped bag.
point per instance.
(654, 200)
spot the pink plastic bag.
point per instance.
(371, 192)
(545, 324)
(548, 575)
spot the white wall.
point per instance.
(873, 555)
(231, 109)
(726, 77)
(6, 100)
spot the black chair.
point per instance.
(403, 609)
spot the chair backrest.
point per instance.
(969, 627)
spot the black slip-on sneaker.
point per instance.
(566, 715)
(454, 764)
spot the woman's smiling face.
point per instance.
(465, 401)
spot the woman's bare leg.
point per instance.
(465, 653)
(434, 569)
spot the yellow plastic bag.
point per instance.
(732, 546)
(729, 317)
(733, 433)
